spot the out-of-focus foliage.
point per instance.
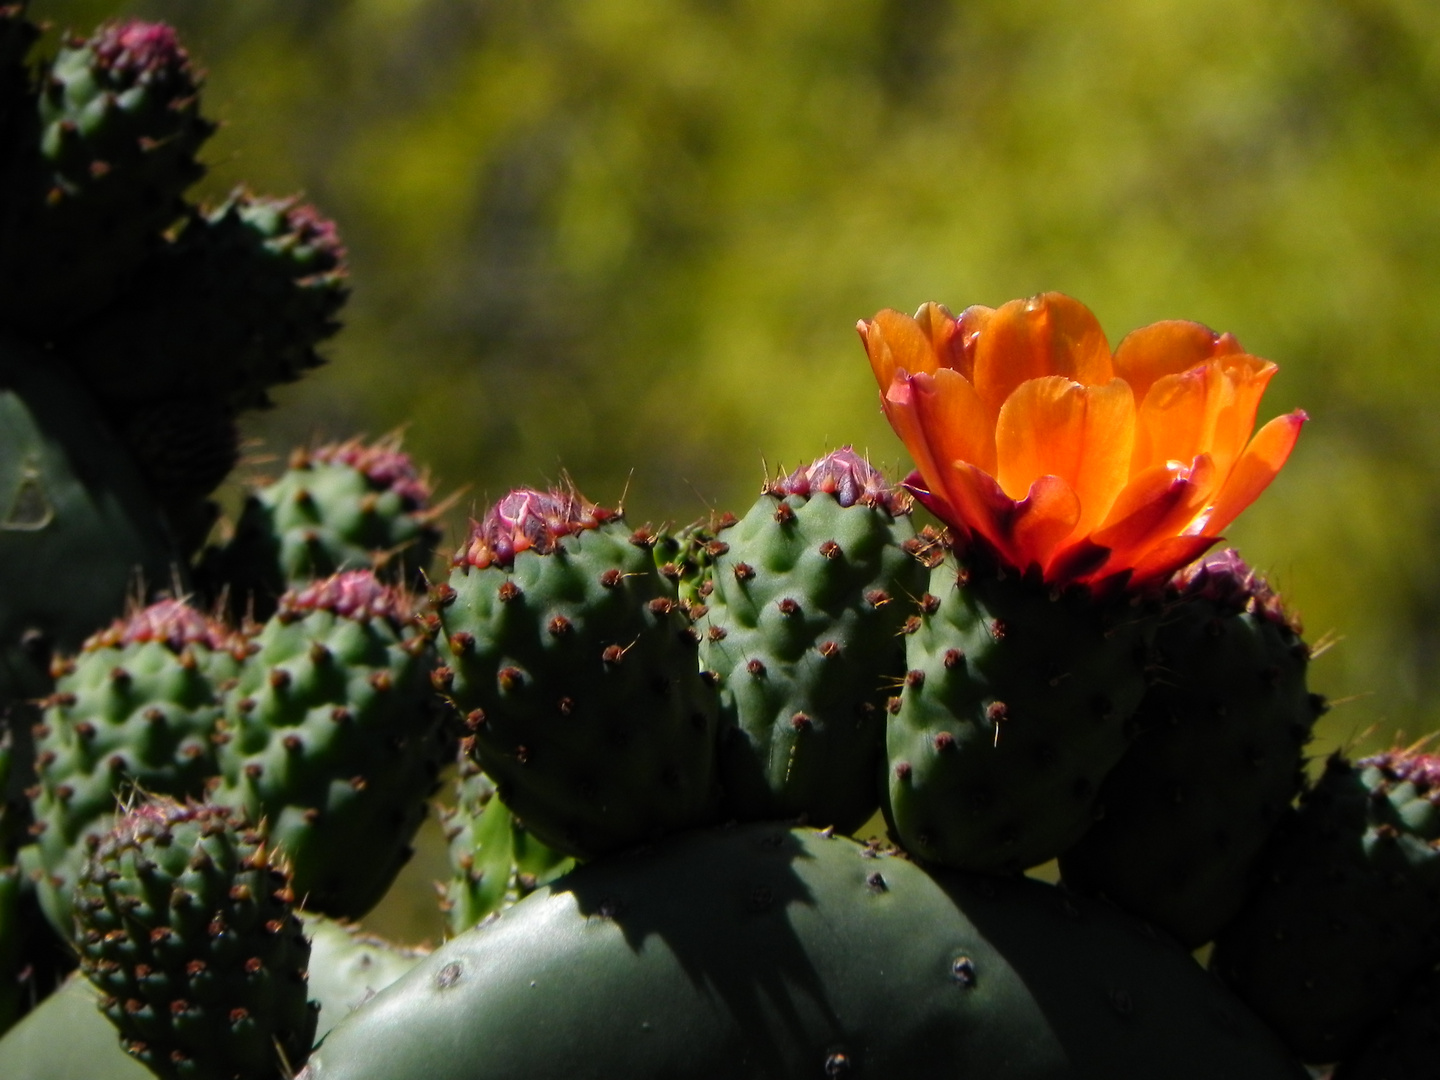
(636, 234)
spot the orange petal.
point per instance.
(1025, 532)
(900, 402)
(1206, 409)
(1162, 560)
(955, 422)
(1050, 334)
(1055, 427)
(1157, 505)
(1255, 469)
(895, 342)
(946, 338)
(1167, 348)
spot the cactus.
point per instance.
(333, 736)
(1015, 706)
(801, 630)
(186, 926)
(494, 858)
(867, 967)
(1219, 758)
(1347, 914)
(341, 506)
(567, 655)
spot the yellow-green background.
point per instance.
(630, 239)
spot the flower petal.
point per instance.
(1167, 348)
(1024, 533)
(1050, 334)
(1055, 427)
(959, 430)
(1209, 408)
(1254, 470)
(1157, 505)
(895, 342)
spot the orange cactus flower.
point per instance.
(1031, 438)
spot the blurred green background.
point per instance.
(630, 239)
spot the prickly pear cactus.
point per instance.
(119, 128)
(801, 630)
(187, 928)
(1406, 1044)
(1346, 915)
(1015, 707)
(672, 961)
(341, 506)
(1219, 759)
(567, 656)
(495, 861)
(136, 709)
(334, 737)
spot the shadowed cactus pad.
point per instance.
(761, 952)
(1218, 760)
(187, 928)
(1348, 911)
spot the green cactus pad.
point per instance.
(119, 130)
(1218, 760)
(1348, 912)
(494, 858)
(69, 497)
(801, 627)
(341, 506)
(1406, 1045)
(186, 927)
(762, 952)
(334, 737)
(1014, 709)
(137, 708)
(567, 655)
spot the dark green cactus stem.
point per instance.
(11, 932)
(231, 307)
(569, 659)
(1218, 760)
(757, 951)
(1406, 1045)
(1347, 914)
(186, 925)
(119, 130)
(801, 622)
(69, 497)
(17, 35)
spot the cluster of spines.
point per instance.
(186, 925)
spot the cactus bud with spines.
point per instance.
(187, 927)
(567, 655)
(810, 591)
(136, 708)
(1218, 760)
(119, 130)
(1348, 913)
(334, 736)
(340, 506)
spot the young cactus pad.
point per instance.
(186, 925)
(764, 952)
